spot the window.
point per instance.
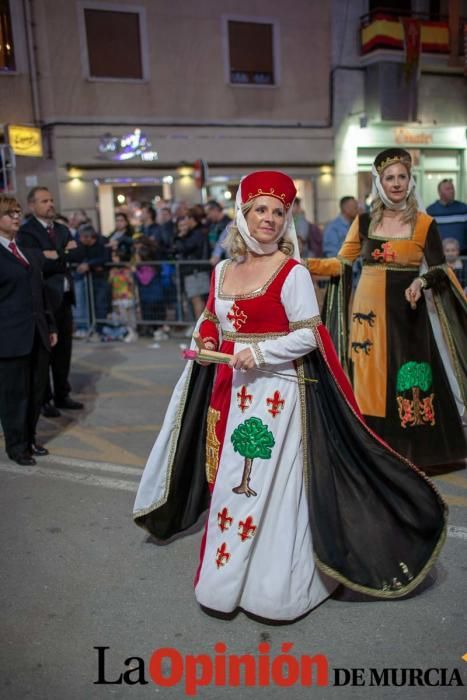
(7, 52)
(114, 43)
(251, 52)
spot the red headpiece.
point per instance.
(268, 183)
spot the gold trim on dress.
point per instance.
(259, 355)
(247, 295)
(212, 445)
(374, 237)
(422, 224)
(387, 592)
(208, 316)
(302, 398)
(306, 323)
(392, 266)
(251, 337)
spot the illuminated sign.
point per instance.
(133, 145)
(402, 135)
(25, 140)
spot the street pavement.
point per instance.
(76, 573)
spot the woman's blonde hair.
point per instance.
(409, 214)
(236, 246)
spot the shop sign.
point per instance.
(25, 140)
(133, 145)
(378, 136)
(407, 136)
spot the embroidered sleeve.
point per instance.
(209, 327)
(257, 354)
(349, 252)
(299, 300)
(306, 323)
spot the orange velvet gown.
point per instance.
(406, 392)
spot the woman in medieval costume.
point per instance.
(405, 350)
(274, 446)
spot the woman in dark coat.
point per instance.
(191, 243)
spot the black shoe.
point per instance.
(38, 450)
(70, 404)
(24, 460)
(49, 411)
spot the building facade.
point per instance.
(381, 100)
(133, 98)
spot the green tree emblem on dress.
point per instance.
(252, 439)
(415, 376)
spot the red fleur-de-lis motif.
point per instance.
(224, 520)
(244, 399)
(222, 555)
(237, 316)
(276, 402)
(246, 529)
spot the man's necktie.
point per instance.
(12, 246)
(52, 235)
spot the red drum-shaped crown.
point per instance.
(268, 183)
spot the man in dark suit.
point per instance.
(40, 232)
(27, 333)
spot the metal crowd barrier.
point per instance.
(161, 293)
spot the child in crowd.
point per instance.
(123, 298)
(150, 289)
(451, 250)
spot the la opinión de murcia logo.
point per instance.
(167, 668)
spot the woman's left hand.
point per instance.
(414, 292)
(243, 360)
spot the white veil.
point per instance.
(288, 231)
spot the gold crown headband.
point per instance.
(391, 160)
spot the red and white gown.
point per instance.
(269, 455)
(257, 552)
